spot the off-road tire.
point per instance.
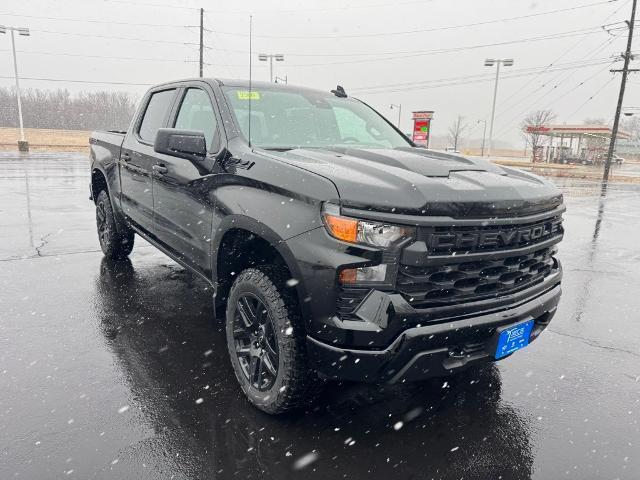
(295, 384)
(116, 241)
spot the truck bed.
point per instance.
(105, 146)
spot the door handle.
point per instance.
(126, 157)
(160, 169)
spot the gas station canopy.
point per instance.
(589, 149)
(574, 131)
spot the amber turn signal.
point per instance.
(341, 227)
(348, 276)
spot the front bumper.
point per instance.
(435, 349)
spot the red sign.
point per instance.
(421, 130)
(422, 127)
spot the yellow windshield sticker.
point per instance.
(246, 95)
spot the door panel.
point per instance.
(183, 212)
(137, 189)
(137, 159)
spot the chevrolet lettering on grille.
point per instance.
(495, 238)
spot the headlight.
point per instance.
(353, 230)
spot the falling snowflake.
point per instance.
(305, 461)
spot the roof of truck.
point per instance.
(244, 84)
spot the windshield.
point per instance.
(283, 119)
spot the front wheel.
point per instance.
(115, 243)
(266, 341)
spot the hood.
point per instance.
(418, 181)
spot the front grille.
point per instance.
(449, 240)
(476, 280)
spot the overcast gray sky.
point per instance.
(425, 55)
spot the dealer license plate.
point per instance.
(514, 338)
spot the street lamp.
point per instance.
(23, 145)
(399, 107)
(484, 135)
(263, 57)
(489, 62)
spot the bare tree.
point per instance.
(58, 109)
(631, 125)
(536, 119)
(595, 144)
(456, 130)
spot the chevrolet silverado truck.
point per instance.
(335, 247)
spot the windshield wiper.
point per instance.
(278, 149)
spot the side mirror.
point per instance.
(189, 144)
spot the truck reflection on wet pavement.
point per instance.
(171, 364)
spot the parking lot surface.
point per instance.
(119, 370)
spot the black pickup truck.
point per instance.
(336, 248)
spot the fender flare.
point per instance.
(117, 211)
(263, 231)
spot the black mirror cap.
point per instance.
(189, 144)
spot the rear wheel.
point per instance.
(266, 342)
(114, 242)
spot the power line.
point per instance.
(554, 82)
(430, 52)
(324, 36)
(509, 123)
(572, 47)
(554, 87)
(457, 82)
(93, 35)
(422, 30)
(275, 11)
(590, 98)
(513, 73)
(106, 57)
(80, 81)
(149, 84)
(104, 22)
(163, 5)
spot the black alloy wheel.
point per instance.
(256, 345)
(115, 242)
(102, 224)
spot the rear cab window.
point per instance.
(155, 115)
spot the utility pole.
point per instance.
(625, 71)
(484, 136)
(23, 145)
(490, 62)
(201, 42)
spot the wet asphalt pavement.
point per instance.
(102, 365)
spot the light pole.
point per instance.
(399, 107)
(484, 135)
(263, 57)
(489, 62)
(23, 145)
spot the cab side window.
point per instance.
(196, 113)
(155, 114)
